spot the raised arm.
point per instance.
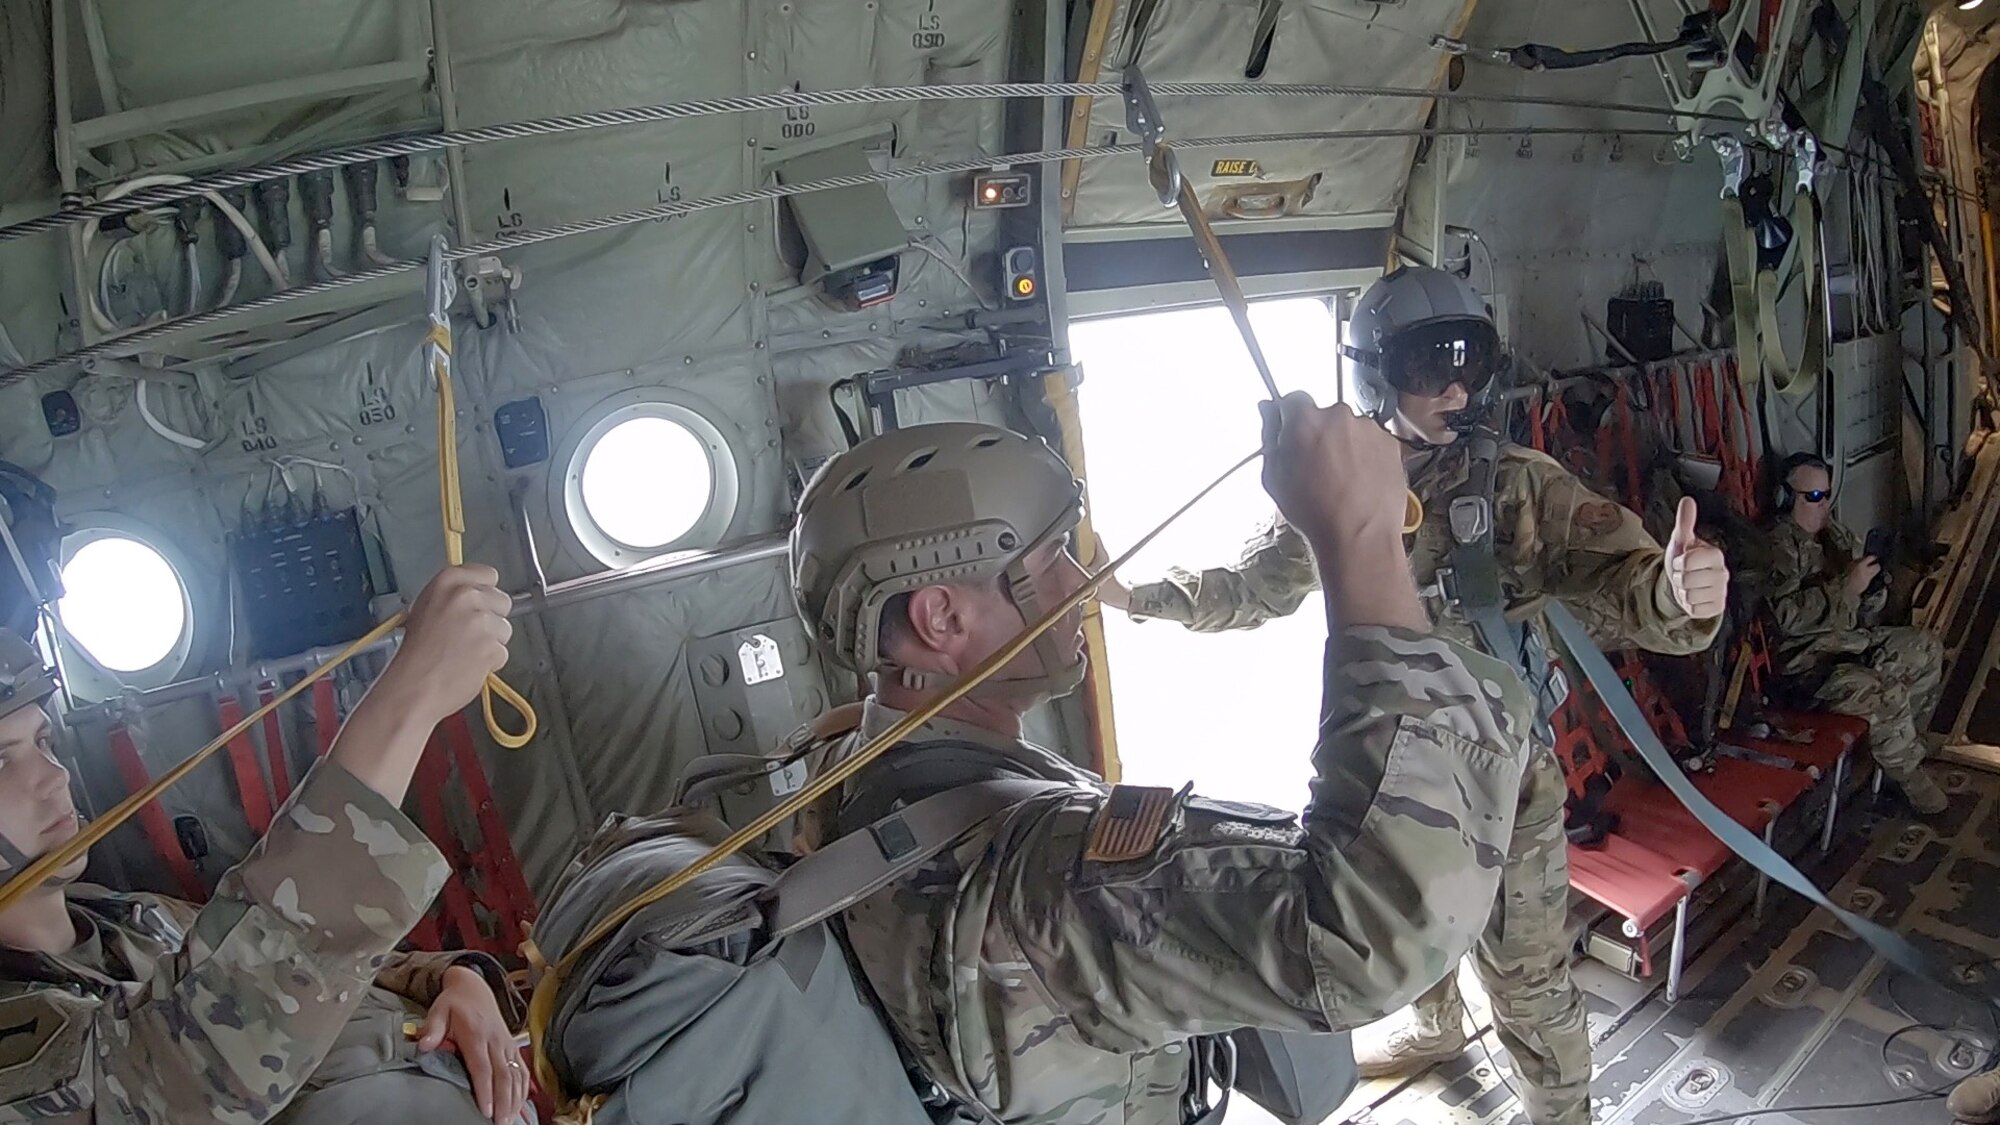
(1597, 552)
(277, 960)
(1223, 915)
(1274, 576)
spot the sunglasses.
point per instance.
(1816, 495)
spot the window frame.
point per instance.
(87, 676)
(581, 532)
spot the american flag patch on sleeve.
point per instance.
(1131, 822)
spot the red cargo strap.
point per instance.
(1635, 488)
(1660, 714)
(1752, 460)
(1719, 437)
(433, 780)
(153, 818)
(326, 714)
(243, 763)
(511, 898)
(425, 935)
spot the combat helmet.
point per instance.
(1420, 329)
(943, 503)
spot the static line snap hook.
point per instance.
(1805, 161)
(1142, 118)
(1730, 149)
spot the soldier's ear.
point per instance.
(935, 620)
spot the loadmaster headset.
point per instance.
(1784, 498)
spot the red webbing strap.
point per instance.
(501, 870)
(1555, 420)
(1660, 714)
(1753, 451)
(426, 936)
(153, 818)
(243, 763)
(1577, 749)
(326, 714)
(1676, 412)
(433, 779)
(1635, 489)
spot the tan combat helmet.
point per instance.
(949, 503)
(24, 680)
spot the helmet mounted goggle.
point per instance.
(1427, 360)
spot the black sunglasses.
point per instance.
(1816, 495)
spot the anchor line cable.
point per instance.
(134, 341)
(417, 144)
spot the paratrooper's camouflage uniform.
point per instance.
(1553, 538)
(168, 1014)
(1888, 675)
(1053, 965)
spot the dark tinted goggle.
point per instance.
(1428, 359)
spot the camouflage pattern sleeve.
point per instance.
(1593, 551)
(1806, 600)
(276, 962)
(418, 976)
(1275, 575)
(1146, 916)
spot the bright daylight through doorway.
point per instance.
(1169, 400)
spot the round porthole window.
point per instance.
(648, 477)
(124, 606)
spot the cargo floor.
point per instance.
(1788, 1013)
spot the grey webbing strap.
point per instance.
(1211, 1062)
(1760, 349)
(710, 774)
(1897, 949)
(864, 861)
(1480, 596)
(1507, 641)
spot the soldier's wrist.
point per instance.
(1367, 582)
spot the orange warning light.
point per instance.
(1024, 287)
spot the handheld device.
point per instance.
(1881, 541)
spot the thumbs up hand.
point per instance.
(1695, 567)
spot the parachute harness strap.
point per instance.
(438, 345)
(549, 975)
(439, 287)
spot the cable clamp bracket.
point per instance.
(1142, 118)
